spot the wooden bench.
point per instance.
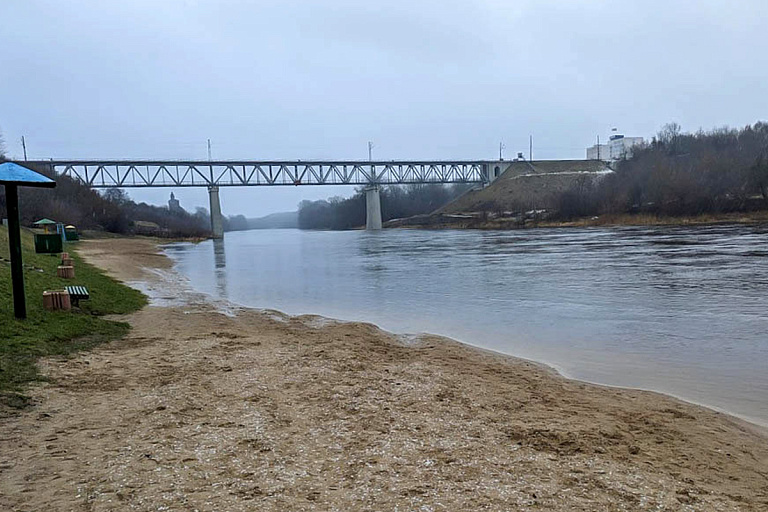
(77, 293)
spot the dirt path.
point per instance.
(197, 410)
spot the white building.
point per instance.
(617, 148)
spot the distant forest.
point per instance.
(682, 174)
(281, 220)
(396, 202)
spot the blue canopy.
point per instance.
(15, 174)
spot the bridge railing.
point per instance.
(105, 174)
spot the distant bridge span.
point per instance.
(248, 173)
(227, 173)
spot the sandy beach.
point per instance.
(227, 409)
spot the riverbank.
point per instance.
(253, 409)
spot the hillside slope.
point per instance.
(280, 220)
(529, 186)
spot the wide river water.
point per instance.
(677, 310)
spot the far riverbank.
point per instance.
(491, 220)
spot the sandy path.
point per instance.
(196, 410)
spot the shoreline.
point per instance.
(229, 308)
(226, 306)
(247, 409)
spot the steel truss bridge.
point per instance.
(234, 173)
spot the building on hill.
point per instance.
(617, 148)
(173, 204)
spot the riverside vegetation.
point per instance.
(719, 172)
(53, 333)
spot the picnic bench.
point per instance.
(77, 293)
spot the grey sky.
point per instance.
(422, 79)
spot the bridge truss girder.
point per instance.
(109, 174)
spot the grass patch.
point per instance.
(46, 333)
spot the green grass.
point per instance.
(46, 333)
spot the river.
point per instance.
(677, 310)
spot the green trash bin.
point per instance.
(70, 233)
(48, 243)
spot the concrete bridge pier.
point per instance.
(495, 169)
(372, 208)
(217, 223)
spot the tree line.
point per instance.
(396, 202)
(681, 174)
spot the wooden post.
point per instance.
(57, 300)
(65, 272)
(14, 242)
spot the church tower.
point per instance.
(173, 204)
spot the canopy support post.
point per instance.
(14, 242)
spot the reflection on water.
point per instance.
(220, 263)
(677, 310)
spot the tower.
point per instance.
(173, 204)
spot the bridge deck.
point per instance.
(223, 173)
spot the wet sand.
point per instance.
(254, 410)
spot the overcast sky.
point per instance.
(293, 79)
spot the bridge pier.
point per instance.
(217, 222)
(372, 208)
(495, 169)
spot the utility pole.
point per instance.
(210, 166)
(502, 147)
(370, 151)
(24, 145)
(530, 148)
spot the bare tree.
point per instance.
(669, 136)
(117, 196)
(669, 133)
(759, 175)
